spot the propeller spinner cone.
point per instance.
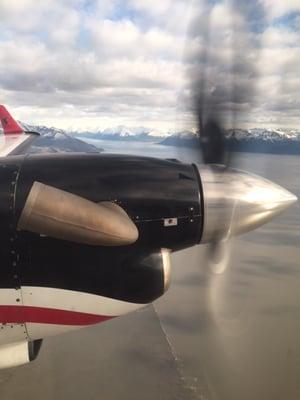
(236, 202)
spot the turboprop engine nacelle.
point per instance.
(86, 238)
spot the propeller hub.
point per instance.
(236, 201)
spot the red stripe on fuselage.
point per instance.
(23, 314)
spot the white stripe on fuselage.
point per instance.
(70, 300)
(60, 299)
(40, 331)
(10, 297)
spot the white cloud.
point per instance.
(67, 32)
(91, 63)
(123, 38)
(277, 9)
(154, 7)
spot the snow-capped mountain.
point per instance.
(125, 133)
(280, 141)
(264, 134)
(53, 140)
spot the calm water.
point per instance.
(237, 335)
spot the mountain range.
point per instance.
(280, 141)
(274, 141)
(125, 133)
(53, 140)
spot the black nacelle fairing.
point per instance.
(135, 275)
(161, 197)
(150, 190)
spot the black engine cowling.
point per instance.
(162, 199)
(146, 277)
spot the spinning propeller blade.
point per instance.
(219, 95)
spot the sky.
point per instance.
(92, 64)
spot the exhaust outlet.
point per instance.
(62, 215)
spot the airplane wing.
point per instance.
(14, 139)
(17, 139)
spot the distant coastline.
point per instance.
(249, 145)
(257, 140)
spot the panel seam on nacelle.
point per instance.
(201, 201)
